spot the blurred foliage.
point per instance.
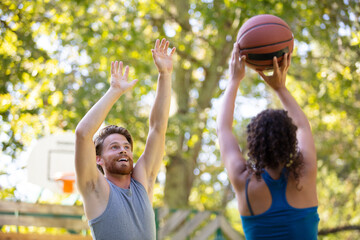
(55, 58)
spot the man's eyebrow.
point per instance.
(116, 142)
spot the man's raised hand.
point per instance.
(119, 81)
(162, 59)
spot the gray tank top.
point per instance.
(128, 215)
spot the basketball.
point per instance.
(261, 38)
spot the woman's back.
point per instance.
(300, 194)
(267, 213)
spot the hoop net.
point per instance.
(68, 180)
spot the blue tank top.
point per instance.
(281, 221)
(128, 215)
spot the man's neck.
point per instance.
(122, 181)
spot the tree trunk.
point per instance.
(179, 180)
(180, 169)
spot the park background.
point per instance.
(55, 61)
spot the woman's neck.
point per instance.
(275, 173)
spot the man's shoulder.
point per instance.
(137, 183)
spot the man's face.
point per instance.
(116, 157)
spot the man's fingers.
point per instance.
(116, 67)
(133, 82)
(120, 69)
(166, 47)
(157, 44)
(112, 69)
(126, 71)
(162, 44)
(173, 50)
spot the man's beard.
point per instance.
(117, 168)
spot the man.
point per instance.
(276, 188)
(118, 203)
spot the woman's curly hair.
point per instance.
(272, 142)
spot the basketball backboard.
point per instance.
(50, 160)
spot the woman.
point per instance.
(276, 187)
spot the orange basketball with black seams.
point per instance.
(261, 38)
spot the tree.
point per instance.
(55, 58)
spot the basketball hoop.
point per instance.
(53, 157)
(68, 180)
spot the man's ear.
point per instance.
(98, 160)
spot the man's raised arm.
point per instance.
(85, 155)
(149, 163)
